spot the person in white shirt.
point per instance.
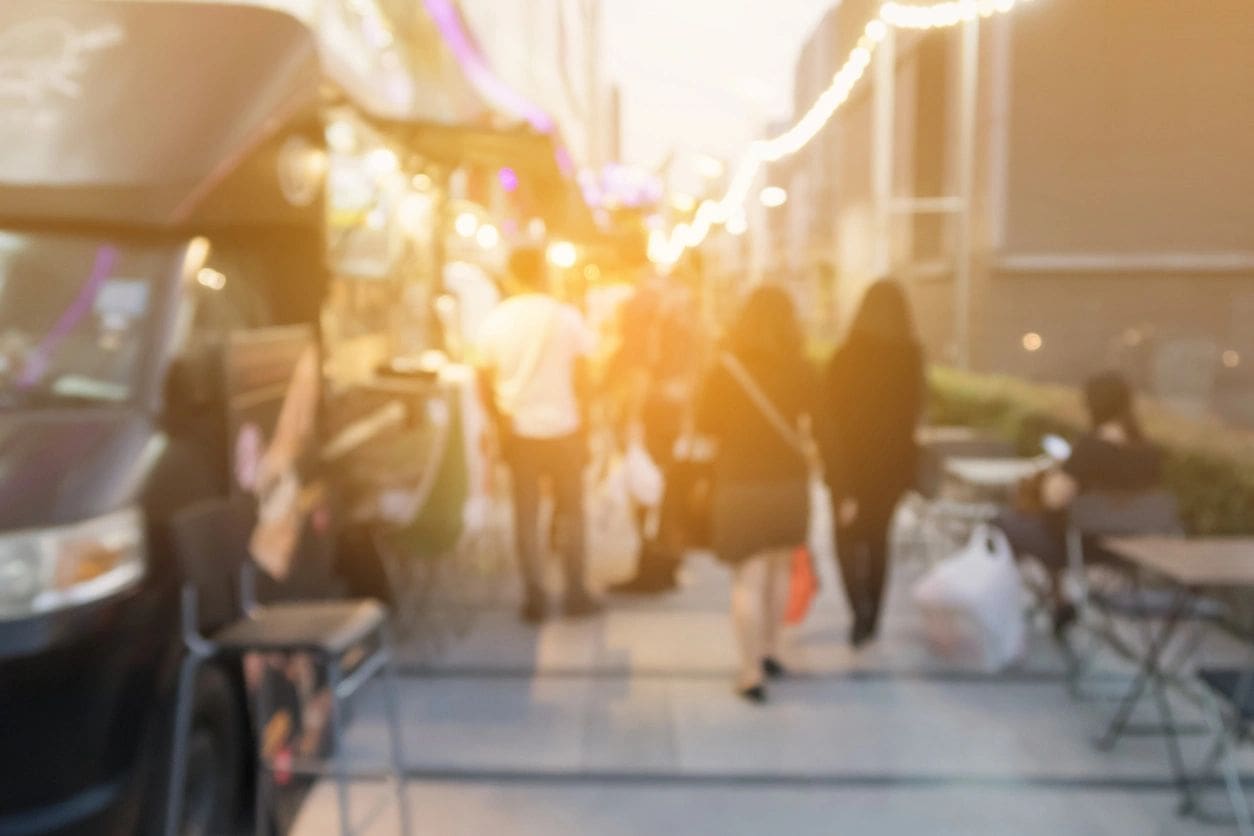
(532, 356)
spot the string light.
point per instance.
(772, 197)
(562, 254)
(711, 168)
(466, 223)
(665, 249)
(488, 236)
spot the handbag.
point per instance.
(803, 586)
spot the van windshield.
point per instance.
(75, 316)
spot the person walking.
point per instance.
(533, 356)
(753, 404)
(655, 366)
(872, 393)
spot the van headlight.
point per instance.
(49, 569)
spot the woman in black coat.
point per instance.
(754, 401)
(872, 399)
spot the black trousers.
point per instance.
(561, 462)
(862, 555)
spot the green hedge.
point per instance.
(1208, 466)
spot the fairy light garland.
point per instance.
(668, 248)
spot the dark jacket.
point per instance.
(750, 448)
(872, 398)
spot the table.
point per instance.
(1191, 566)
(1206, 562)
(933, 434)
(994, 474)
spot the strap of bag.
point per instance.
(763, 403)
(532, 362)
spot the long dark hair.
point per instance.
(766, 327)
(884, 314)
(1109, 400)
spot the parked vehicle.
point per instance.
(162, 268)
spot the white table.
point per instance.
(994, 474)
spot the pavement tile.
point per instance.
(626, 723)
(474, 809)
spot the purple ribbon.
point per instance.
(40, 358)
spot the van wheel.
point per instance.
(211, 792)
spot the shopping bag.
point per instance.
(645, 482)
(972, 603)
(803, 586)
(613, 538)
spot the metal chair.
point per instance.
(1230, 714)
(1097, 515)
(211, 541)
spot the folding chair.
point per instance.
(1097, 515)
(212, 536)
(1229, 713)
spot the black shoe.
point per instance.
(1065, 617)
(533, 611)
(772, 668)
(755, 694)
(582, 606)
(863, 631)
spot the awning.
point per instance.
(511, 132)
(536, 158)
(136, 112)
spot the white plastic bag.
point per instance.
(613, 540)
(644, 478)
(972, 603)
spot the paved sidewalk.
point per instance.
(626, 724)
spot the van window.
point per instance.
(75, 316)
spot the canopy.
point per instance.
(142, 112)
(536, 158)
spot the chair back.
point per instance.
(210, 538)
(1117, 514)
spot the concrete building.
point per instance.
(1110, 216)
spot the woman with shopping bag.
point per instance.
(753, 404)
(872, 400)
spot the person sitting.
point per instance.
(1113, 457)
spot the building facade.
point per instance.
(1110, 222)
